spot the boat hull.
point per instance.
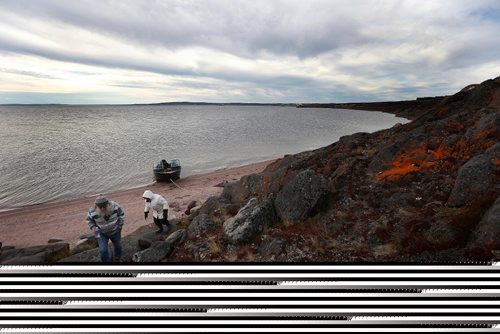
(162, 176)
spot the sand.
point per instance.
(35, 225)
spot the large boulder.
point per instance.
(218, 208)
(160, 249)
(488, 230)
(301, 196)
(200, 225)
(239, 192)
(38, 254)
(250, 221)
(474, 179)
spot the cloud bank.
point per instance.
(247, 51)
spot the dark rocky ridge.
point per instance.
(423, 191)
(410, 109)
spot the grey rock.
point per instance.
(174, 224)
(8, 254)
(250, 221)
(216, 207)
(84, 245)
(160, 249)
(488, 230)
(485, 126)
(4, 248)
(194, 212)
(474, 179)
(27, 259)
(54, 240)
(148, 238)
(87, 236)
(28, 251)
(200, 225)
(145, 243)
(191, 205)
(300, 197)
(88, 256)
(37, 254)
(271, 248)
(56, 252)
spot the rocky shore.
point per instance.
(427, 190)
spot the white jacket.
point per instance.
(158, 204)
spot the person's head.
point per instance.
(101, 202)
(148, 195)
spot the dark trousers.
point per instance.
(160, 222)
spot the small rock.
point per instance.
(54, 240)
(84, 245)
(194, 212)
(160, 249)
(191, 205)
(87, 236)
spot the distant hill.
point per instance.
(410, 109)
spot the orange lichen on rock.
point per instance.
(414, 160)
(486, 133)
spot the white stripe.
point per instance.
(444, 286)
(242, 330)
(246, 268)
(355, 320)
(245, 312)
(220, 278)
(107, 294)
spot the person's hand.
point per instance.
(146, 215)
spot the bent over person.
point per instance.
(106, 219)
(160, 209)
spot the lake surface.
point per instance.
(51, 153)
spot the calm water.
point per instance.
(51, 153)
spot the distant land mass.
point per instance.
(160, 104)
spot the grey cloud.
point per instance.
(271, 30)
(237, 27)
(27, 73)
(138, 65)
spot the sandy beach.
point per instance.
(35, 225)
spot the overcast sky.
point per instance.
(103, 51)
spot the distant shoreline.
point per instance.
(159, 104)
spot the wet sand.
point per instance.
(35, 225)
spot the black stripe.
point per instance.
(203, 308)
(447, 324)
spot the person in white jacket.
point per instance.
(160, 209)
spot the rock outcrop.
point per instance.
(159, 249)
(488, 229)
(250, 221)
(301, 196)
(417, 191)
